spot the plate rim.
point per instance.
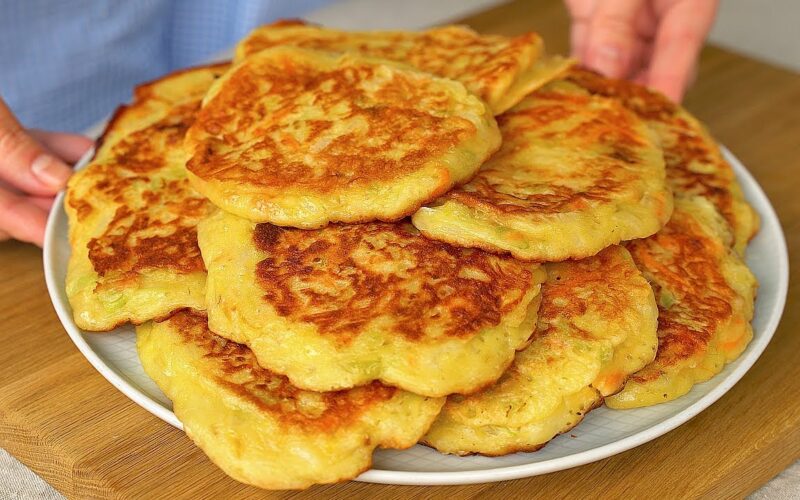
(744, 363)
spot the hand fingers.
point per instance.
(646, 22)
(21, 219)
(580, 11)
(578, 34)
(68, 147)
(24, 163)
(638, 73)
(45, 203)
(611, 46)
(681, 34)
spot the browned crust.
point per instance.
(347, 161)
(133, 242)
(115, 253)
(461, 305)
(138, 94)
(692, 275)
(236, 361)
(613, 127)
(488, 59)
(119, 249)
(200, 315)
(689, 144)
(111, 125)
(607, 272)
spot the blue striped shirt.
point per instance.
(66, 64)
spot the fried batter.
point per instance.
(258, 427)
(342, 306)
(695, 166)
(705, 295)
(596, 326)
(575, 174)
(302, 138)
(133, 213)
(498, 69)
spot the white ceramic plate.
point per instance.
(603, 433)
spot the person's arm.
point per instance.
(654, 42)
(33, 168)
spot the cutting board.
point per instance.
(63, 420)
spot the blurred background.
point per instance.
(766, 30)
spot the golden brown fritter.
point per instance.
(705, 295)
(329, 279)
(341, 306)
(133, 213)
(695, 166)
(575, 174)
(257, 426)
(498, 69)
(596, 326)
(302, 138)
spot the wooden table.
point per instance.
(63, 420)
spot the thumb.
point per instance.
(612, 42)
(24, 163)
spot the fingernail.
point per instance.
(50, 171)
(608, 60)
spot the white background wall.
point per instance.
(765, 29)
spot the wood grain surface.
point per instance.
(63, 420)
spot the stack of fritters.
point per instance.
(345, 241)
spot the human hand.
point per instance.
(33, 168)
(653, 42)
